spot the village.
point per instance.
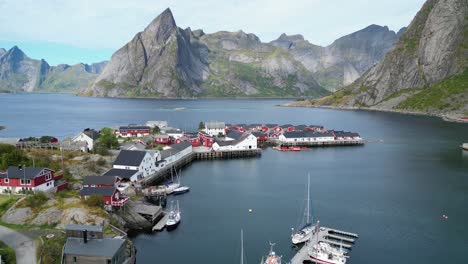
(145, 170)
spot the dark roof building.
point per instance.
(91, 133)
(93, 228)
(180, 146)
(307, 134)
(23, 172)
(104, 191)
(105, 250)
(99, 180)
(121, 173)
(130, 158)
(234, 134)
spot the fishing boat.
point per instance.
(181, 190)
(303, 233)
(174, 216)
(272, 258)
(324, 253)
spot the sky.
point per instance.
(66, 31)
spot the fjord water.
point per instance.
(393, 193)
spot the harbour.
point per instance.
(410, 180)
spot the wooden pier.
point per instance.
(161, 223)
(334, 237)
(233, 154)
(320, 143)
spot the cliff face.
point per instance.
(345, 59)
(19, 73)
(167, 61)
(426, 71)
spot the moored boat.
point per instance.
(304, 232)
(272, 258)
(181, 190)
(324, 253)
(174, 216)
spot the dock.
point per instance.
(320, 143)
(334, 237)
(161, 223)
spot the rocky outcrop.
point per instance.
(426, 71)
(167, 61)
(19, 73)
(345, 59)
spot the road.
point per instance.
(25, 247)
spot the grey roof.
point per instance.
(93, 134)
(161, 136)
(166, 153)
(95, 180)
(173, 131)
(105, 247)
(286, 126)
(259, 134)
(124, 174)
(234, 134)
(25, 172)
(104, 191)
(215, 125)
(130, 157)
(132, 127)
(300, 127)
(306, 134)
(92, 228)
(226, 142)
(181, 146)
(345, 134)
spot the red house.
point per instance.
(205, 139)
(133, 131)
(260, 136)
(17, 179)
(110, 195)
(162, 139)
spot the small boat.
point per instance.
(181, 190)
(171, 186)
(294, 148)
(464, 146)
(174, 216)
(304, 232)
(272, 258)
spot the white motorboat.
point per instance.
(181, 190)
(174, 216)
(322, 252)
(272, 258)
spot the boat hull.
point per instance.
(177, 192)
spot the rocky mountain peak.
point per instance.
(160, 29)
(2, 51)
(15, 54)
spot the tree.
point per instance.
(106, 141)
(14, 158)
(201, 125)
(156, 130)
(45, 139)
(94, 200)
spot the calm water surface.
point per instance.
(393, 194)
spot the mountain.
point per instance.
(425, 72)
(345, 59)
(19, 73)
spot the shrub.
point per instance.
(7, 253)
(94, 200)
(101, 162)
(51, 250)
(36, 200)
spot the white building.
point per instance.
(174, 153)
(89, 136)
(160, 124)
(306, 136)
(245, 142)
(136, 160)
(174, 133)
(215, 128)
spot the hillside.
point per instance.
(426, 71)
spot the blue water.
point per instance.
(393, 194)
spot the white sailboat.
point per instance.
(174, 216)
(272, 258)
(170, 187)
(303, 233)
(322, 252)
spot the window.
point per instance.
(48, 177)
(25, 182)
(7, 180)
(74, 259)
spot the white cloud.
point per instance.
(111, 23)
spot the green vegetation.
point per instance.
(35, 200)
(11, 156)
(156, 130)
(7, 201)
(106, 141)
(50, 249)
(7, 253)
(201, 125)
(94, 201)
(448, 94)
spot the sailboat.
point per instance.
(272, 258)
(303, 233)
(171, 186)
(174, 216)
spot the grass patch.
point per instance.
(7, 201)
(50, 249)
(448, 94)
(7, 253)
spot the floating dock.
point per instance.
(334, 237)
(320, 143)
(161, 223)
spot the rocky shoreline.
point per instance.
(445, 117)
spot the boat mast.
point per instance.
(242, 247)
(308, 198)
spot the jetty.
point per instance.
(334, 237)
(161, 223)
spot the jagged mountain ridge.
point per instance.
(426, 71)
(166, 61)
(343, 61)
(19, 73)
